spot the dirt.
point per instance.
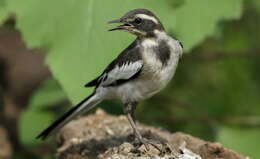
(5, 147)
(104, 136)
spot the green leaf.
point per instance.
(75, 32)
(3, 11)
(31, 124)
(33, 120)
(242, 140)
(48, 94)
(197, 20)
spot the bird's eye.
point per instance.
(138, 20)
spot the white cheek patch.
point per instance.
(139, 32)
(144, 16)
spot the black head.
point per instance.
(140, 22)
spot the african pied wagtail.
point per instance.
(144, 68)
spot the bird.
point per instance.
(140, 71)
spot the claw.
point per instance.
(146, 144)
(162, 147)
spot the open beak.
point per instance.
(124, 26)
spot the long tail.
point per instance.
(85, 105)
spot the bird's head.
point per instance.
(140, 22)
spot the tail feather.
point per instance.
(85, 105)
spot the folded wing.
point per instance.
(127, 66)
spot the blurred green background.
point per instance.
(50, 49)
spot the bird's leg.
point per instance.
(129, 111)
(132, 110)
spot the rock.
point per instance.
(104, 136)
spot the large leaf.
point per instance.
(196, 20)
(243, 140)
(79, 45)
(34, 118)
(31, 124)
(3, 11)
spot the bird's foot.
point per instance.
(146, 143)
(162, 147)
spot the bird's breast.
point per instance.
(160, 59)
(156, 73)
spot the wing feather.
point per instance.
(122, 73)
(125, 67)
